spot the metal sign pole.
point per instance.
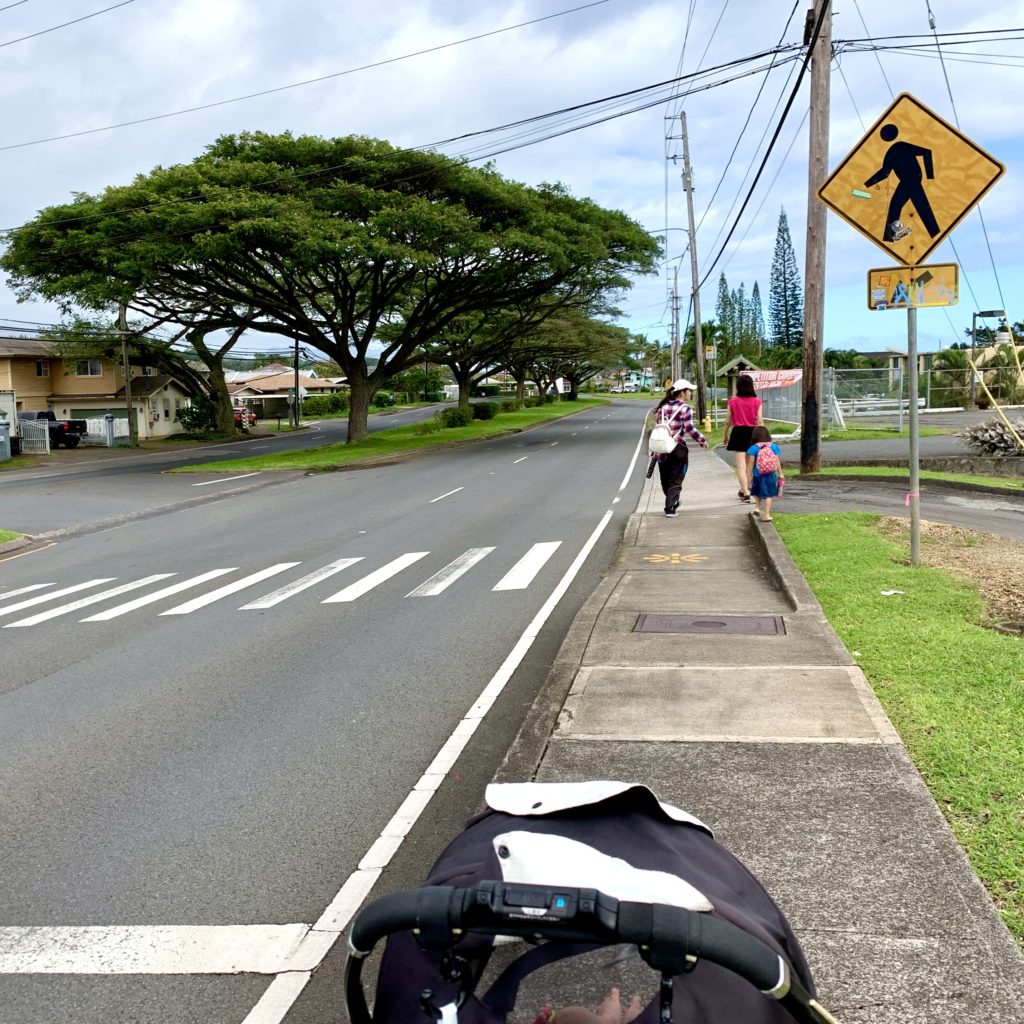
(914, 494)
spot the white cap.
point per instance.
(683, 385)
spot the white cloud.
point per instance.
(147, 59)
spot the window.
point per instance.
(42, 368)
(89, 368)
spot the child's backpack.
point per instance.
(767, 461)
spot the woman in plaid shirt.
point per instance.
(675, 413)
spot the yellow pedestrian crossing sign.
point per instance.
(910, 181)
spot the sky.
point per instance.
(429, 73)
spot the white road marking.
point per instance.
(303, 584)
(152, 949)
(55, 593)
(440, 581)
(516, 463)
(282, 992)
(231, 588)
(636, 455)
(521, 575)
(446, 495)
(84, 602)
(24, 590)
(552, 445)
(226, 479)
(140, 602)
(367, 583)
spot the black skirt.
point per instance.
(739, 439)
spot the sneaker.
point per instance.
(671, 515)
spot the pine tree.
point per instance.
(785, 293)
(757, 317)
(724, 310)
(741, 315)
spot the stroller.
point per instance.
(567, 869)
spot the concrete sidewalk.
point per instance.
(778, 743)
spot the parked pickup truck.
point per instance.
(62, 432)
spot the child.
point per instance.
(764, 464)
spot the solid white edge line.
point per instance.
(282, 992)
(446, 495)
(226, 479)
(636, 455)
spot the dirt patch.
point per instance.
(994, 564)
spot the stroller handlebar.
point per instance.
(670, 939)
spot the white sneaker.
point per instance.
(671, 515)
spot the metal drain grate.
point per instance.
(711, 625)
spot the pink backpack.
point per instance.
(766, 461)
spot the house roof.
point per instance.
(143, 387)
(34, 348)
(280, 383)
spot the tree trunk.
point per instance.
(465, 381)
(359, 407)
(215, 381)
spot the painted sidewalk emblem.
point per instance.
(910, 181)
(676, 558)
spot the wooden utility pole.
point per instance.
(675, 371)
(814, 270)
(688, 188)
(122, 327)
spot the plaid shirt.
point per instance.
(678, 417)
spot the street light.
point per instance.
(974, 338)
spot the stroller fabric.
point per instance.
(638, 849)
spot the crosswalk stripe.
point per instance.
(521, 575)
(298, 586)
(231, 588)
(440, 581)
(367, 583)
(24, 590)
(84, 602)
(140, 602)
(56, 593)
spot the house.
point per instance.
(269, 394)
(88, 388)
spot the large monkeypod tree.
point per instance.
(358, 249)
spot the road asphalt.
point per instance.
(779, 744)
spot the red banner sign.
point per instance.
(765, 379)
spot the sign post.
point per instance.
(908, 182)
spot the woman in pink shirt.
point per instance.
(744, 413)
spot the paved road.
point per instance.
(208, 716)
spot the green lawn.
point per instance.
(397, 441)
(1002, 482)
(953, 689)
(881, 433)
(6, 535)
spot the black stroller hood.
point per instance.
(612, 837)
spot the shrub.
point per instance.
(324, 405)
(992, 437)
(532, 401)
(486, 390)
(509, 405)
(485, 410)
(457, 417)
(199, 416)
(548, 399)
(383, 399)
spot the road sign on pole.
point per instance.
(910, 181)
(937, 284)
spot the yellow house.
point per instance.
(87, 388)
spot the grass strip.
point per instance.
(882, 433)
(396, 441)
(953, 689)
(1002, 482)
(6, 535)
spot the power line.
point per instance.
(9, 6)
(54, 28)
(297, 85)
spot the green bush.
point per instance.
(485, 410)
(509, 406)
(486, 390)
(548, 399)
(532, 401)
(383, 400)
(198, 417)
(456, 417)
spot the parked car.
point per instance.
(244, 417)
(62, 432)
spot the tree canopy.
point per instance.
(357, 248)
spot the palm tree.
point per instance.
(951, 377)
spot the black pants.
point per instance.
(672, 470)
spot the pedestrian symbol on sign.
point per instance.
(901, 160)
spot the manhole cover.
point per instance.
(710, 625)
